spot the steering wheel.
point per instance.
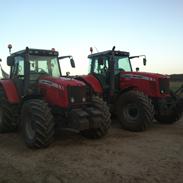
(41, 70)
(121, 70)
(20, 76)
(104, 70)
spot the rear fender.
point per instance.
(10, 91)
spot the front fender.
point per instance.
(92, 82)
(10, 91)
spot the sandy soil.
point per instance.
(155, 155)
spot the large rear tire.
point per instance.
(8, 114)
(102, 119)
(135, 111)
(38, 126)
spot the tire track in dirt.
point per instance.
(122, 156)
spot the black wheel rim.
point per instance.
(29, 127)
(131, 111)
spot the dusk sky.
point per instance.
(151, 27)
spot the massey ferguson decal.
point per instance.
(51, 84)
(133, 76)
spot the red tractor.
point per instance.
(135, 97)
(37, 99)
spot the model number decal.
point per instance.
(132, 76)
(51, 84)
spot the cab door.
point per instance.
(17, 74)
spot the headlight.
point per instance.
(84, 99)
(72, 100)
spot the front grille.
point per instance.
(76, 94)
(153, 86)
(164, 85)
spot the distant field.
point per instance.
(174, 85)
(176, 80)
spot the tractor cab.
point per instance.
(106, 67)
(28, 65)
(108, 63)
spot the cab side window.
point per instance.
(18, 68)
(101, 66)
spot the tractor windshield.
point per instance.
(122, 63)
(100, 65)
(44, 65)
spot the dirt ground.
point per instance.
(155, 155)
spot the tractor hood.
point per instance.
(63, 91)
(60, 81)
(143, 75)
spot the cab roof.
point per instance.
(36, 52)
(108, 53)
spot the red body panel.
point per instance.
(55, 90)
(93, 82)
(148, 83)
(10, 91)
(142, 81)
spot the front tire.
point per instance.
(38, 126)
(135, 111)
(173, 116)
(169, 110)
(103, 120)
(168, 119)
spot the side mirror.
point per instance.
(10, 61)
(72, 63)
(144, 61)
(137, 69)
(0, 60)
